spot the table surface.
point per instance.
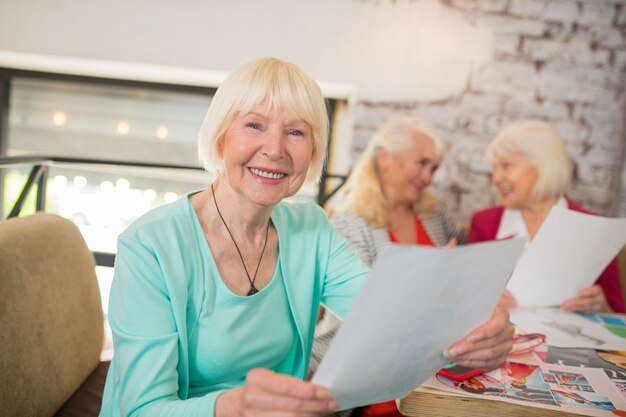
(426, 403)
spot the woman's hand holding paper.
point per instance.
(588, 300)
(487, 346)
(266, 393)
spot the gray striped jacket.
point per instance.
(367, 241)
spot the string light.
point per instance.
(122, 183)
(59, 118)
(149, 195)
(79, 181)
(161, 132)
(106, 186)
(123, 127)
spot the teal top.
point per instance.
(232, 318)
(166, 288)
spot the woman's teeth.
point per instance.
(265, 174)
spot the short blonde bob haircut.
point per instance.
(540, 143)
(280, 85)
(363, 193)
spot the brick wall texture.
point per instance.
(559, 60)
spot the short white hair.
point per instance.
(540, 143)
(283, 86)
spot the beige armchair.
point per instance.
(51, 320)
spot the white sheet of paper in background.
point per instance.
(568, 253)
(566, 330)
(417, 301)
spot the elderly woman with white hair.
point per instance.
(531, 171)
(215, 296)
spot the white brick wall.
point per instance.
(560, 60)
(595, 12)
(505, 25)
(527, 8)
(486, 6)
(561, 10)
(621, 15)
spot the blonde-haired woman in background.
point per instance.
(531, 170)
(385, 200)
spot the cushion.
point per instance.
(87, 401)
(50, 314)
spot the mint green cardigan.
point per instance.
(159, 287)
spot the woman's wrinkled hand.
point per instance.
(588, 300)
(266, 393)
(507, 300)
(487, 346)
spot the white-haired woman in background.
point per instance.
(385, 200)
(531, 170)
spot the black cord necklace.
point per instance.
(253, 289)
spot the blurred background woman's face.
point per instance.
(514, 177)
(405, 175)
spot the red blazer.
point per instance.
(485, 226)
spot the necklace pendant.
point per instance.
(252, 291)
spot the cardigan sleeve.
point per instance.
(345, 275)
(144, 380)
(359, 235)
(484, 225)
(442, 227)
(476, 233)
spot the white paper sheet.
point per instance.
(568, 253)
(416, 303)
(566, 330)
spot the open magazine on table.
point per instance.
(565, 378)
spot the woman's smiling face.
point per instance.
(514, 177)
(407, 174)
(267, 154)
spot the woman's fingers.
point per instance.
(285, 385)
(487, 354)
(269, 391)
(487, 346)
(497, 324)
(588, 300)
(484, 355)
(507, 300)
(269, 402)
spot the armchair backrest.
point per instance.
(51, 317)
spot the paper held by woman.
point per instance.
(417, 301)
(568, 253)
